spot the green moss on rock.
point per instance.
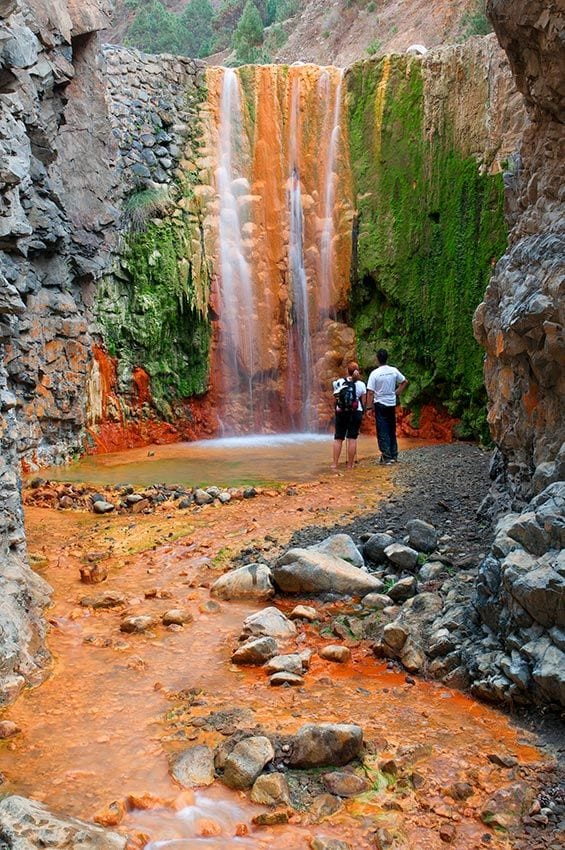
(429, 230)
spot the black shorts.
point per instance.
(347, 424)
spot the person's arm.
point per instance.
(369, 398)
(401, 387)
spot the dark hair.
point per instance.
(382, 356)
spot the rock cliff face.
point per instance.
(521, 585)
(520, 322)
(55, 215)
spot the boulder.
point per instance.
(395, 636)
(422, 536)
(374, 548)
(253, 581)
(549, 675)
(194, 767)
(402, 556)
(27, 825)
(271, 789)
(307, 571)
(536, 586)
(412, 657)
(325, 744)
(506, 806)
(246, 761)
(341, 546)
(285, 664)
(269, 622)
(255, 651)
(336, 652)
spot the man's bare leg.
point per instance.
(351, 452)
(337, 452)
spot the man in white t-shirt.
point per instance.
(384, 386)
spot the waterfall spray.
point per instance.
(300, 349)
(328, 231)
(238, 322)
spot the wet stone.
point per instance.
(324, 805)
(336, 653)
(344, 784)
(194, 767)
(246, 761)
(285, 664)
(8, 729)
(303, 612)
(271, 789)
(139, 623)
(283, 678)
(253, 581)
(255, 651)
(321, 843)
(177, 617)
(106, 599)
(325, 744)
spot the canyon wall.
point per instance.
(55, 223)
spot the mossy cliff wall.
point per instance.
(152, 309)
(429, 138)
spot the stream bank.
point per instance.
(84, 755)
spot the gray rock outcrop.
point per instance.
(309, 571)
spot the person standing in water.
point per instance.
(349, 394)
(384, 386)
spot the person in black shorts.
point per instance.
(349, 394)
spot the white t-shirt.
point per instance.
(360, 390)
(383, 381)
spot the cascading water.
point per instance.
(328, 230)
(238, 320)
(280, 222)
(300, 349)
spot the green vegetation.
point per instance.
(153, 310)
(429, 231)
(198, 30)
(374, 47)
(248, 36)
(475, 21)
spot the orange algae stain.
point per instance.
(103, 749)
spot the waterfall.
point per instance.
(328, 230)
(300, 349)
(238, 320)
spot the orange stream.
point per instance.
(99, 729)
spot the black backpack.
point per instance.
(347, 397)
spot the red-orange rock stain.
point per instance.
(99, 730)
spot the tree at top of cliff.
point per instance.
(248, 36)
(196, 22)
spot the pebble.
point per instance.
(8, 729)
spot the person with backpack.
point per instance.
(384, 386)
(349, 394)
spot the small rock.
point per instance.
(337, 653)
(209, 607)
(344, 784)
(460, 790)
(269, 622)
(402, 556)
(323, 806)
(374, 548)
(133, 498)
(285, 664)
(377, 601)
(201, 497)
(194, 767)
(107, 599)
(102, 507)
(403, 589)
(93, 574)
(249, 493)
(271, 789)
(422, 536)
(395, 636)
(303, 612)
(65, 502)
(502, 760)
(283, 678)
(139, 623)
(272, 818)
(8, 729)
(255, 651)
(321, 843)
(246, 761)
(177, 617)
(225, 497)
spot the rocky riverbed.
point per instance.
(217, 626)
